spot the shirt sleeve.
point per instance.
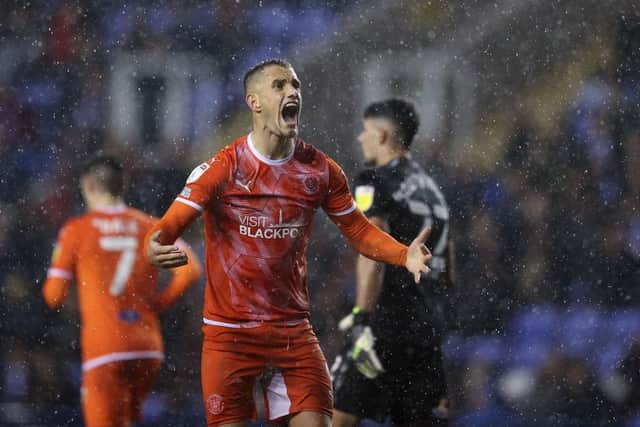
(369, 195)
(62, 268)
(339, 200)
(206, 181)
(203, 186)
(369, 240)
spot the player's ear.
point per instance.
(86, 187)
(253, 102)
(383, 136)
(88, 183)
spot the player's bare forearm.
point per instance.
(369, 275)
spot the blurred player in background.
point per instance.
(392, 365)
(258, 196)
(102, 251)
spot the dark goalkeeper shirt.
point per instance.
(404, 195)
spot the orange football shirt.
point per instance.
(117, 287)
(258, 215)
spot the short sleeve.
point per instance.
(339, 200)
(369, 194)
(206, 181)
(63, 258)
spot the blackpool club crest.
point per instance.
(311, 184)
(215, 404)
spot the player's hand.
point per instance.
(418, 255)
(363, 353)
(164, 256)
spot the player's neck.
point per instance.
(386, 157)
(271, 146)
(103, 202)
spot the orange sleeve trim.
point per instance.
(59, 273)
(344, 212)
(370, 240)
(190, 203)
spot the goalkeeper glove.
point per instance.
(363, 352)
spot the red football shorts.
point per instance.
(277, 367)
(112, 394)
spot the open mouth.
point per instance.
(290, 113)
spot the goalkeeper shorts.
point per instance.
(410, 391)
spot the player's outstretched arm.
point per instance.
(366, 237)
(374, 243)
(63, 264)
(159, 242)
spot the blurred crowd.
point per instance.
(547, 242)
(548, 248)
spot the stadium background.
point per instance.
(529, 116)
